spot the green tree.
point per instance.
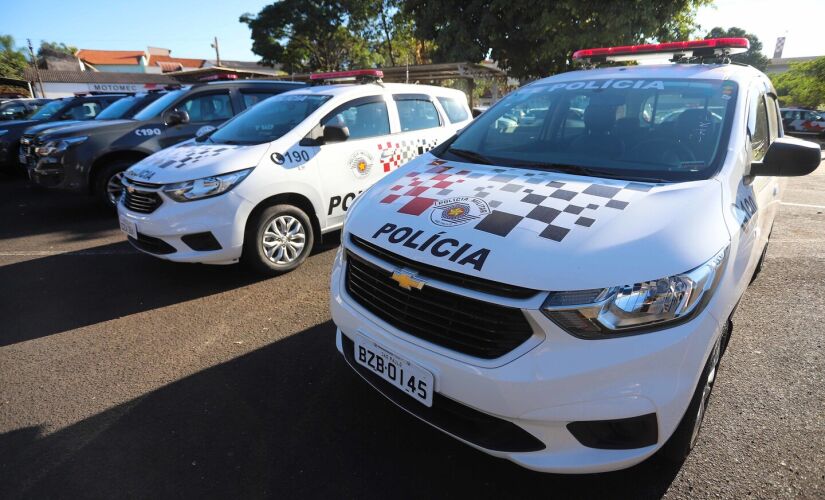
(310, 36)
(753, 56)
(802, 85)
(534, 39)
(12, 60)
(52, 50)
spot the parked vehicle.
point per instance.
(19, 109)
(69, 108)
(805, 122)
(91, 159)
(560, 295)
(266, 185)
(123, 108)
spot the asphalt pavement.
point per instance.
(125, 376)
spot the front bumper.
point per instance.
(173, 223)
(65, 172)
(559, 380)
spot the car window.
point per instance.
(119, 108)
(668, 129)
(83, 111)
(455, 109)
(417, 114)
(157, 107)
(758, 126)
(13, 110)
(773, 120)
(207, 107)
(48, 110)
(252, 98)
(269, 120)
(368, 119)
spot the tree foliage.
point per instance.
(12, 60)
(753, 56)
(802, 85)
(534, 39)
(330, 35)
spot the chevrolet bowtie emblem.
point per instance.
(406, 280)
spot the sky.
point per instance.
(187, 26)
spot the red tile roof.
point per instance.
(186, 63)
(107, 57)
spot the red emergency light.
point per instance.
(712, 46)
(356, 74)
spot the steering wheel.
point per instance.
(666, 151)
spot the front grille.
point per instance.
(144, 202)
(454, 278)
(467, 325)
(467, 423)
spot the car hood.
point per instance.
(17, 125)
(83, 127)
(191, 160)
(40, 127)
(541, 230)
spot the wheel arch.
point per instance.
(295, 199)
(110, 157)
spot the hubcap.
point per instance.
(114, 187)
(703, 404)
(284, 239)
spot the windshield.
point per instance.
(269, 120)
(48, 110)
(159, 106)
(119, 108)
(644, 129)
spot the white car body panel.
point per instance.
(654, 231)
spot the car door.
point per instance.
(205, 109)
(349, 167)
(422, 127)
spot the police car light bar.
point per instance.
(357, 74)
(710, 47)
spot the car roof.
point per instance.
(735, 72)
(237, 83)
(366, 89)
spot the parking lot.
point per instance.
(125, 376)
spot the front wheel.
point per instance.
(278, 240)
(686, 435)
(109, 183)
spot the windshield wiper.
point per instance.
(586, 171)
(470, 155)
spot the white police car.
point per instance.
(266, 184)
(558, 291)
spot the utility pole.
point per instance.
(36, 69)
(217, 52)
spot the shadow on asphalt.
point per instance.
(28, 211)
(54, 294)
(289, 420)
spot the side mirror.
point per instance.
(788, 157)
(176, 117)
(335, 133)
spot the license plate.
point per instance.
(128, 227)
(410, 378)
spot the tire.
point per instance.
(105, 180)
(685, 436)
(284, 253)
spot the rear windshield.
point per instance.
(269, 120)
(644, 129)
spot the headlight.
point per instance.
(205, 188)
(628, 309)
(59, 146)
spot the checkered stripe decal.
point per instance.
(393, 154)
(182, 155)
(550, 207)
